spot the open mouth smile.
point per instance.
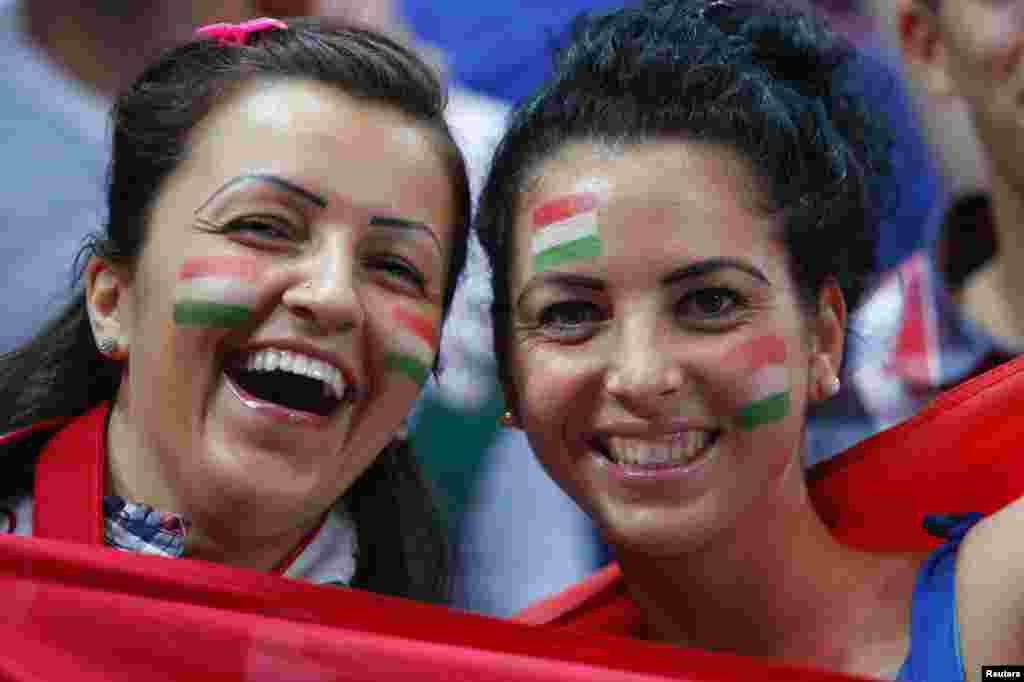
(288, 380)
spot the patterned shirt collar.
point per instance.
(141, 528)
(329, 556)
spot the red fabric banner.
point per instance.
(77, 612)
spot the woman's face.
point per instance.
(286, 305)
(983, 55)
(661, 363)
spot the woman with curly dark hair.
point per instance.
(288, 218)
(678, 223)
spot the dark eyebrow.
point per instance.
(565, 280)
(711, 265)
(278, 182)
(403, 224)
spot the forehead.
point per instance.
(697, 196)
(330, 143)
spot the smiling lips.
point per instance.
(668, 450)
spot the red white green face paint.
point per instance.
(767, 400)
(412, 344)
(217, 291)
(564, 231)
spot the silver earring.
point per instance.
(833, 386)
(402, 433)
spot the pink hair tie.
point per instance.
(237, 34)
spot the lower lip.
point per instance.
(275, 412)
(661, 472)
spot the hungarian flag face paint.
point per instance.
(216, 292)
(413, 342)
(565, 230)
(768, 389)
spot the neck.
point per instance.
(992, 296)
(105, 51)
(777, 584)
(224, 529)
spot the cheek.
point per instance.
(552, 383)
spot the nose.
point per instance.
(324, 289)
(643, 373)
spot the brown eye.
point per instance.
(398, 267)
(259, 227)
(710, 303)
(571, 319)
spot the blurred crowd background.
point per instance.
(518, 537)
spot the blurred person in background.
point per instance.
(914, 212)
(952, 309)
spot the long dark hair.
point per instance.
(757, 76)
(60, 373)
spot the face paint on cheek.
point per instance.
(217, 291)
(565, 230)
(413, 344)
(766, 391)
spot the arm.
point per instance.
(990, 591)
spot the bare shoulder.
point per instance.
(990, 591)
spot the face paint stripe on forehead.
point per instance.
(216, 292)
(565, 230)
(561, 209)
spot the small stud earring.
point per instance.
(833, 386)
(507, 419)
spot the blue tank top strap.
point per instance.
(934, 634)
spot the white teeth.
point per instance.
(271, 359)
(678, 448)
(286, 361)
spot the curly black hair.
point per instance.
(763, 77)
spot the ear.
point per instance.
(106, 299)
(829, 334)
(924, 46)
